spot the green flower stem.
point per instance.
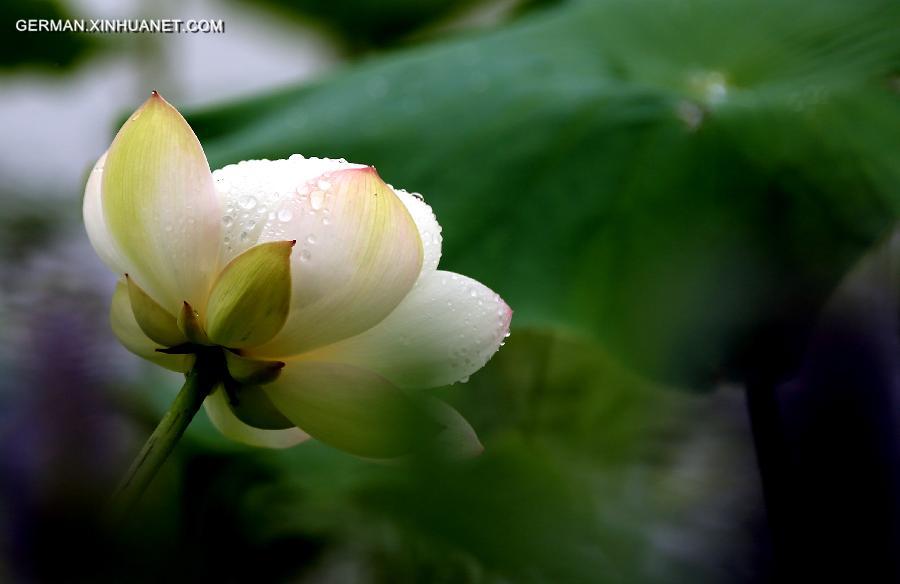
(198, 383)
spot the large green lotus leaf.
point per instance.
(684, 181)
(369, 23)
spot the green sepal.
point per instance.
(252, 371)
(189, 323)
(250, 300)
(156, 322)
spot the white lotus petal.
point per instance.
(230, 426)
(357, 255)
(160, 206)
(447, 328)
(98, 234)
(429, 229)
(133, 338)
(254, 195)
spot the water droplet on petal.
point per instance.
(316, 198)
(310, 239)
(247, 202)
(305, 255)
(285, 215)
(227, 220)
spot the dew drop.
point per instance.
(227, 220)
(285, 215)
(310, 239)
(316, 198)
(305, 255)
(323, 185)
(247, 202)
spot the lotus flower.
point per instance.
(310, 282)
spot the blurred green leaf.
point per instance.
(582, 465)
(677, 179)
(53, 50)
(365, 24)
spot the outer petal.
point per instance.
(352, 409)
(428, 226)
(358, 254)
(133, 338)
(230, 426)
(95, 223)
(444, 330)
(160, 206)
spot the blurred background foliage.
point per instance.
(666, 192)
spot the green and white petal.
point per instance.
(447, 328)
(160, 207)
(250, 299)
(129, 333)
(358, 254)
(352, 409)
(95, 223)
(230, 426)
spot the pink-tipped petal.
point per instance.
(446, 329)
(160, 207)
(358, 254)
